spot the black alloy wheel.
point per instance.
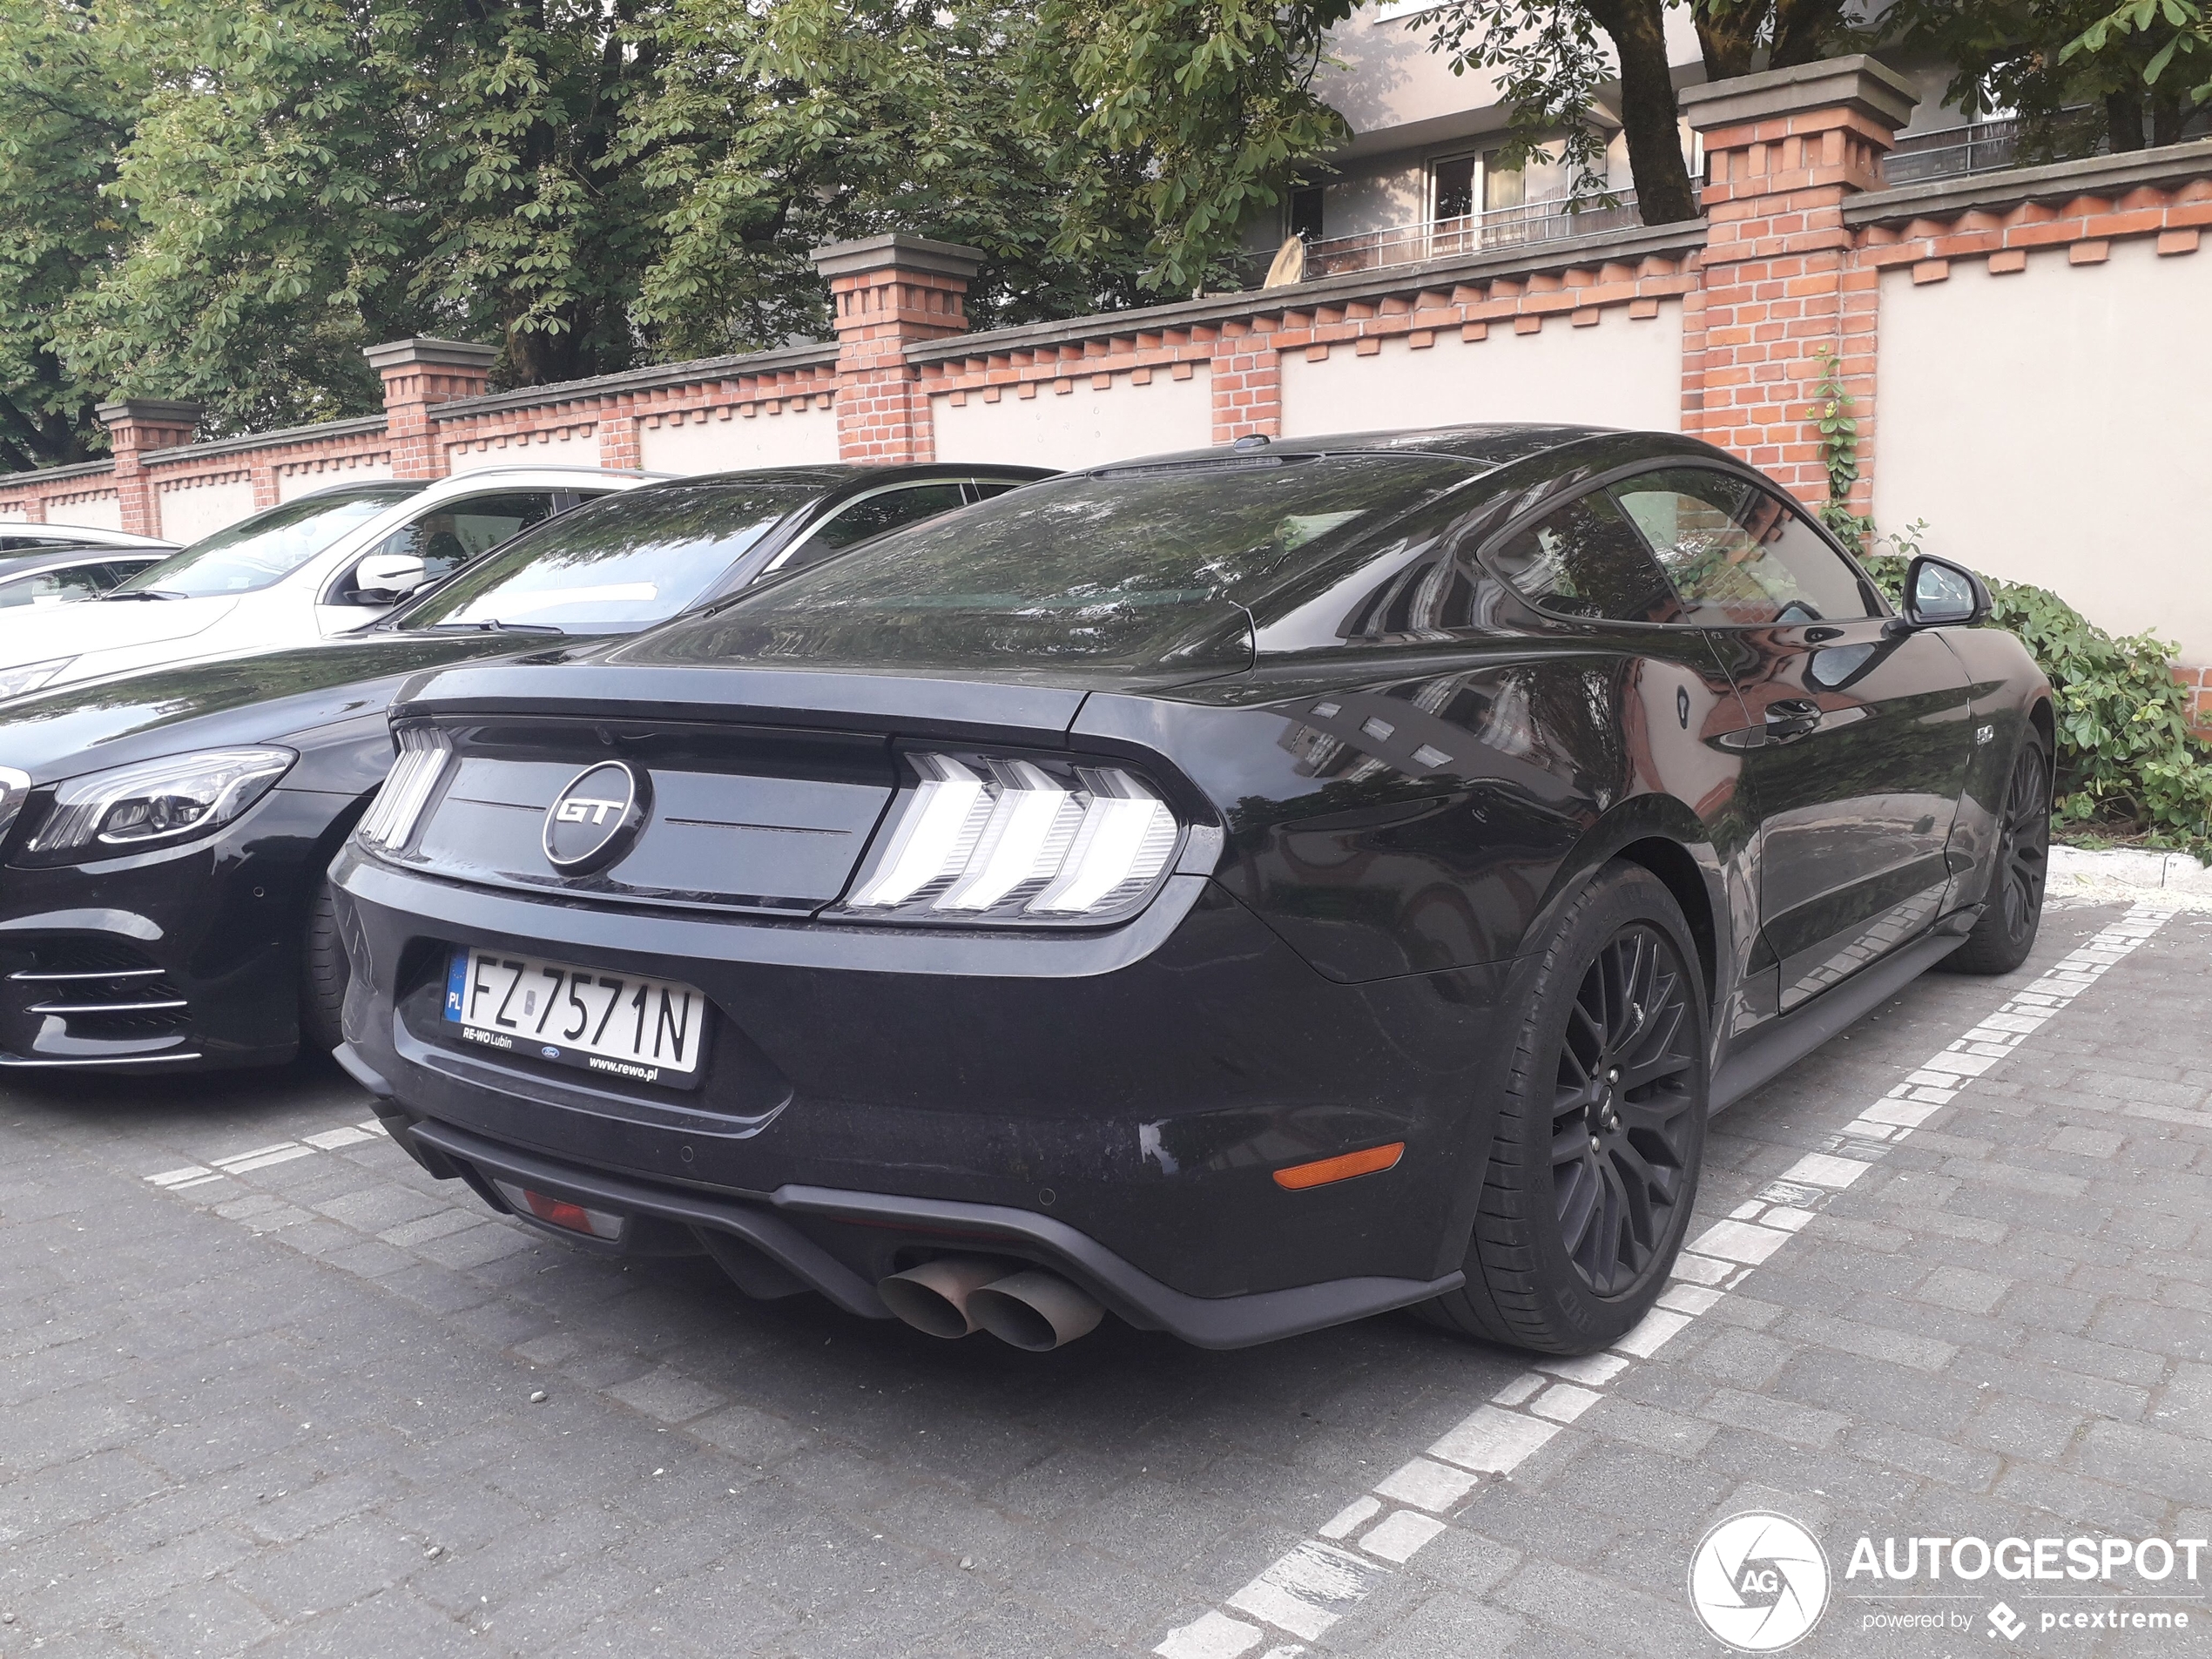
(2012, 907)
(1600, 1128)
(1621, 1115)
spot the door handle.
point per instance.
(1790, 716)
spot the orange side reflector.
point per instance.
(1342, 1168)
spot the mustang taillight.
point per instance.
(390, 819)
(995, 840)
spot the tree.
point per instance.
(2076, 73)
(312, 175)
(768, 133)
(69, 93)
(1193, 111)
(1556, 58)
(2186, 49)
(227, 202)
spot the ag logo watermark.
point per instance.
(1758, 1582)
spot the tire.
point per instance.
(1567, 1255)
(2014, 910)
(324, 975)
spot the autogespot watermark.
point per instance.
(1759, 1582)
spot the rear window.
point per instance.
(1088, 565)
(614, 565)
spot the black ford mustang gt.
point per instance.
(1238, 891)
(162, 906)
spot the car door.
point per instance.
(444, 537)
(1857, 736)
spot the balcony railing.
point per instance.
(1444, 238)
(1953, 152)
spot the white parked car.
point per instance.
(322, 564)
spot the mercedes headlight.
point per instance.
(20, 682)
(156, 803)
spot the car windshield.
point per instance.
(264, 549)
(617, 565)
(1101, 566)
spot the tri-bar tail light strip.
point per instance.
(994, 839)
(389, 823)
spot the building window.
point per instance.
(1452, 186)
(1305, 213)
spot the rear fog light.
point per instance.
(559, 1212)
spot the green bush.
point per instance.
(2128, 762)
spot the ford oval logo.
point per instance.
(593, 821)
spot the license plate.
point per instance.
(648, 1030)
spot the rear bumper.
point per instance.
(1111, 1106)
(785, 1229)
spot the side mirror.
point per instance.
(1939, 594)
(387, 578)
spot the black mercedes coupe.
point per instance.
(1240, 891)
(163, 905)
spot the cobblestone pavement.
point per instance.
(270, 1388)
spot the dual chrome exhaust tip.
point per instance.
(956, 1296)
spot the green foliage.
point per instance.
(1839, 428)
(1192, 112)
(2078, 73)
(2179, 30)
(67, 100)
(2129, 760)
(225, 202)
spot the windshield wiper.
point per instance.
(145, 593)
(493, 625)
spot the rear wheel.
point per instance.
(2012, 910)
(1601, 1133)
(324, 975)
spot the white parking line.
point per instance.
(260, 1157)
(1321, 1581)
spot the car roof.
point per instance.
(1494, 444)
(831, 476)
(83, 535)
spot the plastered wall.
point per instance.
(725, 441)
(568, 446)
(2054, 426)
(292, 480)
(1620, 371)
(189, 514)
(1081, 426)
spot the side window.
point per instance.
(1586, 560)
(873, 515)
(1737, 554)
(984, 488)
(54, 587)
(449, 536)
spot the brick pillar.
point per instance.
(1779, 286)
(620, 446)
(1247, 376)
(136, 426)
(419, 373)
(886, 292)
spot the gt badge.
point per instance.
(592, 822)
